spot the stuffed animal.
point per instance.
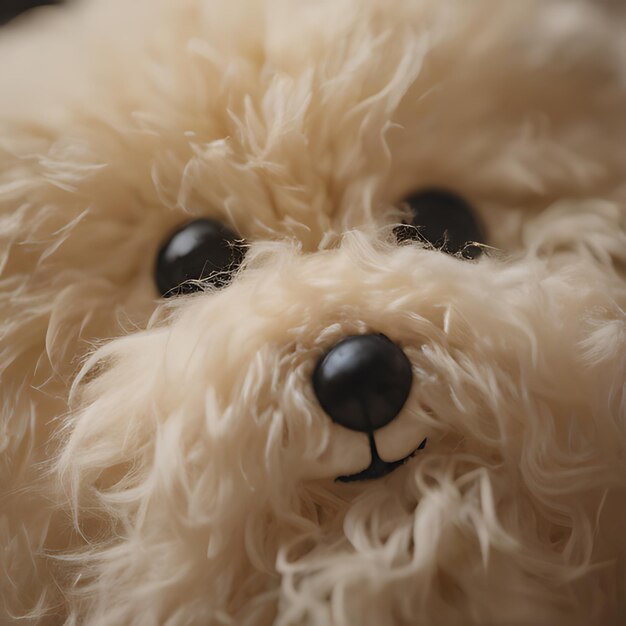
(312, 313)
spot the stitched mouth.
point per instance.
(377, 467)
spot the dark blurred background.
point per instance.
(12, 8)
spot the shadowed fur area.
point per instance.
(166, 461)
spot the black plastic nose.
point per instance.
(363, 382)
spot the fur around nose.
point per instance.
(363, 382)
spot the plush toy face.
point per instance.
(312, 313)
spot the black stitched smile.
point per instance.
(378, 468)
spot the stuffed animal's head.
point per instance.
(312, 313)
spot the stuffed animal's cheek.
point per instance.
(346, 452)
(400, 438)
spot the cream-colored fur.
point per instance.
(167, 462)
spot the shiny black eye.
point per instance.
(200, 250)
(445, 220)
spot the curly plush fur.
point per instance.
(182, 473)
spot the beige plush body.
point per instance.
(167, 462)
